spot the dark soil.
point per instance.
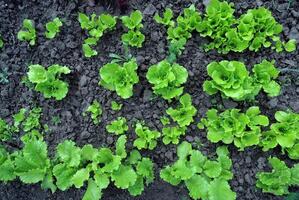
(66, 50)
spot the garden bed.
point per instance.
(66, 49)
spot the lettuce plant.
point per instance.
(194, 170)
(167, 79)
(118, 126)
(232, 80)
(95, 109)
(186, 23)
(96, 26)
(47, 80)
(7, 166)
(146, 138)
(165, 120)
(279, 179)
(119, 78)
(166, 19)
(232, 126)
(27, 33)
(32, 120)
(290, 46)
(175, 49)
(184, 113)
(116, 106)
(172, 134)
(133, 37)
(53, 28)
(283, 133)
(32, 164)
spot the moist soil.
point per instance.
(66, 49)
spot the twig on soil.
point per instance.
(289, 70)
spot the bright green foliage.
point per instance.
(32, 163)
(283, 133)
(118, 126)
(184, 113)
(253, 30)
(279, 179)
(7, 167)
(216, 24)
(232, 126)
(175, 49)
(88, 51)
(75, 166)
(133, 37)
(100, 167)
(172, 134)
(1, 42)
(32, 121)
(119, 78)
(21, 121)
(165, 120)
(167, 79)
(47, 80)
(5, 131)
(95, 109)
(116, 106)
(180, 31)
(178, 34)
(27, 33)
(186, 23)
(232, 80)
(290, 46)
(53, 28)
(204, 178)
(147, 139)
(20, 116)
(96, 26)
(167, 18)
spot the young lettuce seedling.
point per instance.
(133, 37)
(119, 78)
(118, 126)
(96, 27)
(147, 139)
(184, 113)
(167, 79)
(167, 18)
(27, 33)
(96, 111)
(116, 106)
(53, 28)
(47, 80)
(172, 134)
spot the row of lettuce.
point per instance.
(74, 166)
(253, 30)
